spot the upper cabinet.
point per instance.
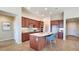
(59, 23)
(23, 22)
(55, 22)
(26, 22)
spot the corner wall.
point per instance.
(16, 11)
(6, 34)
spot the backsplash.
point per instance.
(30, 29)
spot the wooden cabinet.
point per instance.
(60, 35)
(37, 24)
(54, 22)
(23, 22)
(26, 22)
(59, 24)
(25, 37)
(37, 43)
(33, 42)
(41, 43)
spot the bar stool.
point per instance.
(51, 38)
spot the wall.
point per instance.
(57, 17)
(78, 27)
(6, 35)
(70, 12)
(46, 26)
(27, 14)
(12, 10)
(72, 28)
(16, 12)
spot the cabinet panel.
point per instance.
(59, 24)
(60, 35)
(33, 42)
(26, 22)
(23, 22)
(41, 43)
(25, 37)
(37, 44)
(54, 22)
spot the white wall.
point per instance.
(30, 15)
(57, 17)
(71, 12)
(17, 21)
(72, 28)
(9, 33)
(13, 10)
(46, 26)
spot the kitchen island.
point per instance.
(38, 40)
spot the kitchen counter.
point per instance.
(28, 30)
(41, 34)
(38, 40)
(26, 35)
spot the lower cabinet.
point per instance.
(60, 35)
(25, 37)
(37, 43)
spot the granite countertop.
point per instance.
(41, 34)
(27, 30)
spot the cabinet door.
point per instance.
(37, 24)
(33, 42)
(54, 22)
(41, 43)
(25, 37)
(23, 22)
(27, 22)
(60, 35)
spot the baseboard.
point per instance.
(7, 39)
(72, 36)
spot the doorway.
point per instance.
(72, 28)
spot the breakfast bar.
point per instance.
(38, 40)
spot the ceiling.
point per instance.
(6, 13)
(44, 11)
